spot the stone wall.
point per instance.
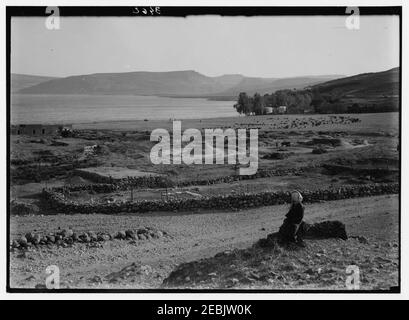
(57, 202)
(232, 178)
(154, 182)
(151, 182)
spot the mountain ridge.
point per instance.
(171, 83)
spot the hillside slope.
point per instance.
(364, 85)
(367, 92)
(264, 85)
(21, 81)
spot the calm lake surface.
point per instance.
(27, 108)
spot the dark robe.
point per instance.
(296, 214)
(293, 219)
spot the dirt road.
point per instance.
(191, 236)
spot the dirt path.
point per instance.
(192, 236)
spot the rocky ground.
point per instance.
(224, 240)
(313, 151)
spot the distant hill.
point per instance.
(266, 85)
(362, 93)
(173, 83)
(229, 80)
(136, 83)
(21, 81)
(364, 85)
(376, 90)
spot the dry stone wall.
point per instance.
(59, 204)
(104, 184)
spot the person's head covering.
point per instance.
(296, 197)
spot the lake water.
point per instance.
(27, 108)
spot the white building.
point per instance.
(282, 109)
(268, 110)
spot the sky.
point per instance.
(212, 45)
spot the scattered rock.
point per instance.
(310, 271)
(104, 237)
(141, 236)
(23, 242)
(232, 282)
(130, 234)
(121, 235)
(84, 237)
(66, 233)
(67, 237)
(95, 279)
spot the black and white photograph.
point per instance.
(204, 149)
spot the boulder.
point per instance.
(50, 239)
(15, 244)
(66, 233)
(85, 237)
(130, 234)
(141, 236)
(324, 230)
(23, 241)
(29, 236)
(36, 239)
(75, 237)
(93, 236)
(103, 237)
(120, 235)
(142, 231)
(320, 230)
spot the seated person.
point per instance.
(289, 231)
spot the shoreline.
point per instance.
(219, 122)
(262, 122)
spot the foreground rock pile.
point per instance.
(57, 202)
(67, 237)
(321, 230)
(324, 230)
(266, 263)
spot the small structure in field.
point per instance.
(268, 110)
(282, 109)
(38, 129)
(309, 110)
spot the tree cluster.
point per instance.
(307, 100)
